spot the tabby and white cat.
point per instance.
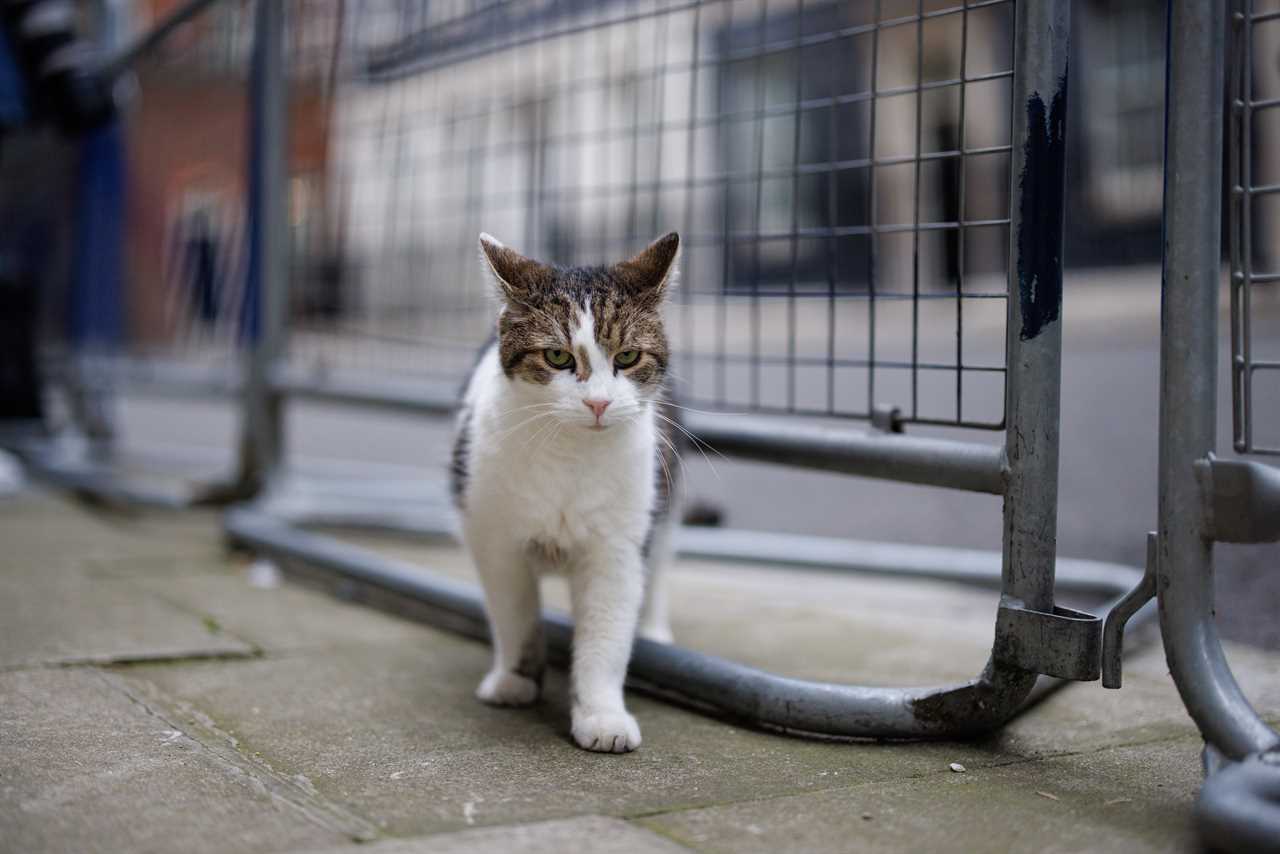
(561, 464)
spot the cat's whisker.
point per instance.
(550, 437)
(516, 409)
(503, 434)
(675, 452)
(666, 470)
(697, 442)
(542, 430)
(507, 433)
(688, 408)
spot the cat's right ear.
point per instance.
(517, 277)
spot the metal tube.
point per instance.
(416, 396)
(1188, 379)
(1034, 331)
(262, 443)
(154, 37)
(962, 566)
(1239, 807)
(910, 459)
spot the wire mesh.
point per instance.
(839, 173)
(1254, 214)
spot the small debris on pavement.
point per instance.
(1049, 796)
(264, 574)
(866, 816)
(957, 767)
(1115, 801)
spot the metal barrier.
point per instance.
(804, 247)
(1254, 207)
(836, 171)
(1205, 499)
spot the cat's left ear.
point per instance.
(518, 278)
(650, 274)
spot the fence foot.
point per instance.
(1239, 806)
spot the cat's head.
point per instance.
(584, 343)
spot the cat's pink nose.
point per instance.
(597, 406)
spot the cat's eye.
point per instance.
(558, 358)
(626, 358)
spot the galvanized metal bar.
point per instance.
(902, 560)
(1188, 379)
(1034, 330)
(261, 449)
(153, 38)
(1241, 500)
(910, 459)
(1238, 152)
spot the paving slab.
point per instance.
(283, 619)
(39, 525)
(394, 733)
(63, 601)
(594, 833)
(65, 616)
(1127, 800)
(85, 767)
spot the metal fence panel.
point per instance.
(1254, 209)
(838, 172)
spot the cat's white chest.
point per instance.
(571, 495)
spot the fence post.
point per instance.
(1034, 331)
(263, 436)
(1188, 377)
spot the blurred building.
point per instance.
(188, 138)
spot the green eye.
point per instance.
(558, 358)
(626, 358)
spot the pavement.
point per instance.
(152, 698)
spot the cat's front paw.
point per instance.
(504, 688)
(606, 732)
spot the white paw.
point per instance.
(503, 688)
(606, 732)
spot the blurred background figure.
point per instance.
(48, 79)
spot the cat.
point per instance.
(563, 463)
